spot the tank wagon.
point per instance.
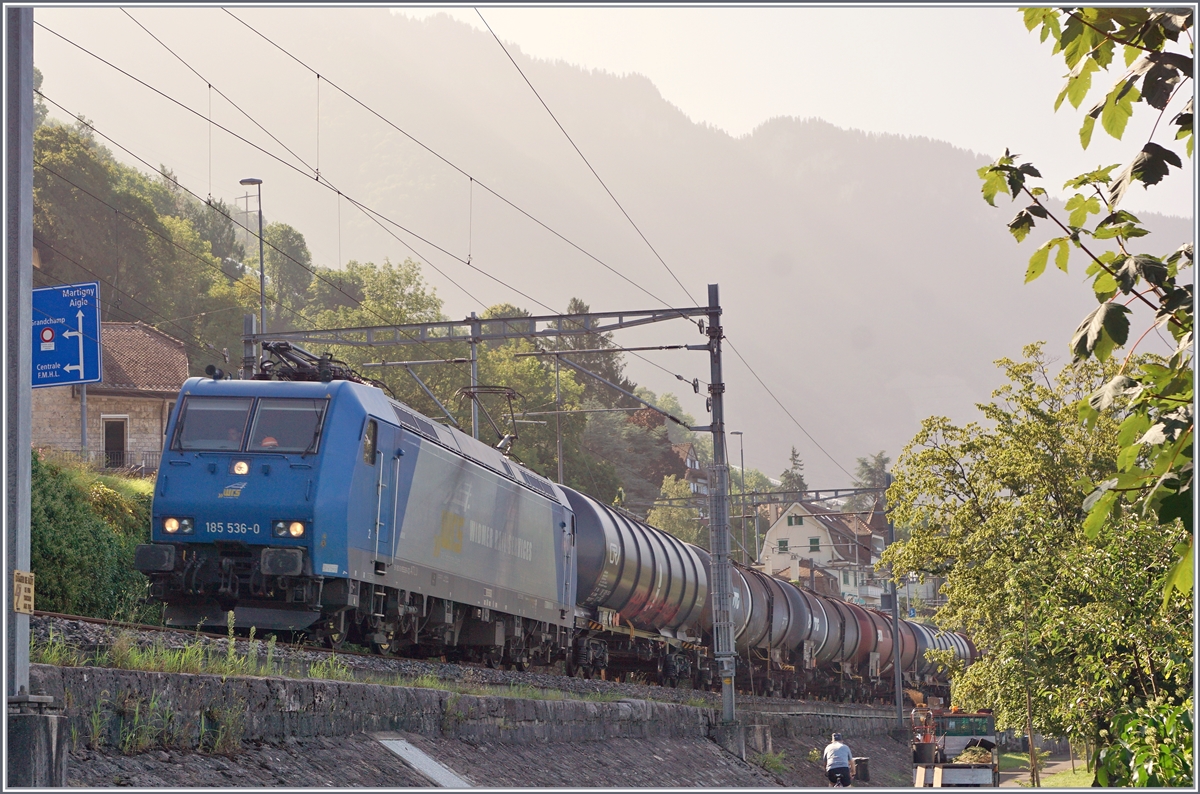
(319, 504)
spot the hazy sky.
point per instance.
(973, 77)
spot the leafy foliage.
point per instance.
(96, 219)
(793, 478)
(1154, 473)
(677, 518)
(1150, 746)
(1067, 614)
(83, 563)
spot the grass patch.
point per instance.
(208, 656)
(1080, 778)
(772, 762)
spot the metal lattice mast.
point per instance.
(718, 482)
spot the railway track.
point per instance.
(89, 634)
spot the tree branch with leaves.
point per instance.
(1153, 398)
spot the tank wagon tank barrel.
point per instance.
(317, 503)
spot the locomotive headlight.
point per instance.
(183, 526)
(240, 467)
(282, 529)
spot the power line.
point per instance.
(214, 88)
(452, 165)
(785, 410)
(196, 256)
(116, 289)
(213, 208)
(367, 210)
(582, 157)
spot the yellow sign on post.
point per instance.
(23, 592)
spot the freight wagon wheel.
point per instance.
(335, 640)
(493, 660)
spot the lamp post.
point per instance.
(742, 492)
(262, 278)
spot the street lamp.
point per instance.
(742, 492)
(262, 278)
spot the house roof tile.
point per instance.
(142, 358)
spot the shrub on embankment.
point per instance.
(84, 528)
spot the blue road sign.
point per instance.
(66, 335)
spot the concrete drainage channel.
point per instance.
(133, 710)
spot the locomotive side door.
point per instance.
(387, 475)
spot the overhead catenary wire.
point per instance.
(114, 288)
(462, 172)
(471, 179)
(375, 215)
(213, 208)
(583, 157)
(638, 230)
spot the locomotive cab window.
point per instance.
(369, 443)
(287, 425)
(212, 424)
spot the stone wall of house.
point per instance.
(56, 419)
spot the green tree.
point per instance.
(869, 472)
(1154, 453)
(678, 518)
(792, 479)
(1066, 617)
(1153, 474)
(366, 294)
(607, 365)
(289, 273)
(40, 111)
(96, 219)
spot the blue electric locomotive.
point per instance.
(328, 507)
(307, 499)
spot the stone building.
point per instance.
(127, 410)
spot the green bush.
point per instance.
(83, 563)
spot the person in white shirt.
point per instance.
(837, 762)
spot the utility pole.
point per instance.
(719, 517)
(896, 671)
(36, 735)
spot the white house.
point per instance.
(807, 533)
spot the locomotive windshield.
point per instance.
(212, 423)
(286, 425)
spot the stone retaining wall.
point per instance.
(851, 723)
(194, 709)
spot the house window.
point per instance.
(814, 544)
(783, 544)
(795, 521)
(845, 577)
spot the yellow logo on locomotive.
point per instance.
(232, 491)
(450, 537)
